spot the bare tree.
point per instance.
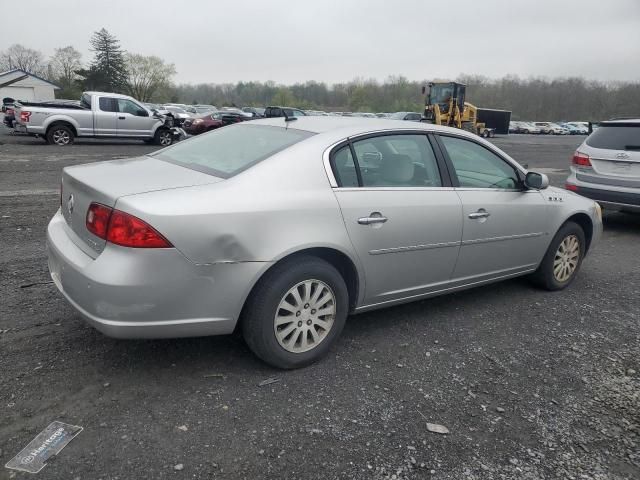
(64, 64)
(23, 58)
(147, 75)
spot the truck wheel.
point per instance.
(163, 137)
(485, 134)
(60, 135)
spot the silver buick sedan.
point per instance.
(282, 227)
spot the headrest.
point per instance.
(397, 168)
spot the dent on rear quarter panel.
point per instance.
(279, 205)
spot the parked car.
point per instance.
(179, 113)
(200, 109)
(606, 166)
(364, 115)
(411, 116)
(570, 128)
(8, 109)
(98, 115)
(550, 128)
(583, 127)
(528, 128)
(255, 112)
(316, 113)
(275, 226)
(211, 121)
(271, 112)
(514, 127)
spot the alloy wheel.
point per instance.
(165, 138)
(566, 259)
(305, 316)
(61, 137)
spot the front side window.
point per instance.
(388, 161)
(228, 151)
(127, 106)
(477, 167)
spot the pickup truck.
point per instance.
(98, 115)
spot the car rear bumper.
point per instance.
(147, 293)
(609, 196)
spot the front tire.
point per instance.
(296, 312)
(60, 135)
(562, 261)
(163, 137)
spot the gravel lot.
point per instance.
(530, 384)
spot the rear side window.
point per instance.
(388, 161)
(228, 151)
(107, 104)
(616, 137)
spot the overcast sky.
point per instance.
(337, 40)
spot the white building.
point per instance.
(30, 89)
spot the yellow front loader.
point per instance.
(445, 105)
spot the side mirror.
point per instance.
(536, 181)
(142, 113)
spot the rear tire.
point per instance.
(60, 135)
(279, 316)
(562, 261)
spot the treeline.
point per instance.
(112, 69)
(529, 99)
(149, 78)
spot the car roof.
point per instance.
(344, 127)
(108, 94)
(622, 120)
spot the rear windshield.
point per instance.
(230, 150)
(616, 137)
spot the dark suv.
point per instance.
(271, 112)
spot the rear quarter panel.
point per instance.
(279, 206)
(41, 118)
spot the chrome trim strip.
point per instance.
(412, 248)
(500, 239)
(394, 189)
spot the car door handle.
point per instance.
(122, 118)
(479, 214)
(372, 220)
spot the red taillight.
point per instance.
(123, 229)
(98, 219)
(571, 186)
(24, 117)
(129, 231)
(581, 159)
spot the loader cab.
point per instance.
(442, 93)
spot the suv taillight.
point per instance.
(122, 228)
(24, 117)
(581, 159)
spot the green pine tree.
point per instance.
(108, 71)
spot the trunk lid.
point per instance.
(105, 182)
